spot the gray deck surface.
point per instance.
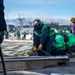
(19, 48)
(47, 71)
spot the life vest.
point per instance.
(24, 33)
(52, 32)
(59, 42)
(71, 40)
(18, 33)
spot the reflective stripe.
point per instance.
(37, 34)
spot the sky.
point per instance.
(47, 10)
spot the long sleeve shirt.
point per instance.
(2, 20)
(74, 28)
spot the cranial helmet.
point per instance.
(37, 22)
(72, 19)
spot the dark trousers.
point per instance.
(58, 52)
(49, 44)
(71, 49)
(1, 55)
(1, 37)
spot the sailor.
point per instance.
(18, 34)
(43, 37)
(24, 35)
(2, 22)
(73, 21)
(70, 41)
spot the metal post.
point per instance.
(3, 64)
(36, 52)
(45, 52)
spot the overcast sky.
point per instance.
(56, 10)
